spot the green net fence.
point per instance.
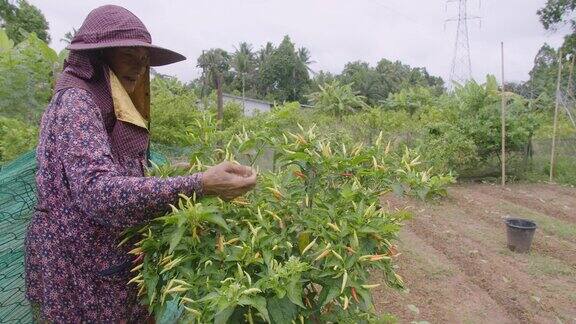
(17, 201)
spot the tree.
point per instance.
(214, 64)
(321, 78)
(282, 75)
(26, 77)
(243, 63)
(377, 83)
(556, 12)
(23, 18)
(265, 52)
(365, 80)
(411, 99)
(305, 59)
(69, 36)
(6, 10)
(544, 72)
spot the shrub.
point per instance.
(26, 77)
(300, 246)
(337, 99)
(173, 109)
(16, 137)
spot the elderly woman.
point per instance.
(90, 179)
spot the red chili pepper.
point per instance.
(299, 174)
(354, 295)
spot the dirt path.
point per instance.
(457, 267)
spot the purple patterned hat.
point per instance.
(114, 26)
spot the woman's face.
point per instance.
(128, 63)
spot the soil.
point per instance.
(458, 269)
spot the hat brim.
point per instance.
(158, 55)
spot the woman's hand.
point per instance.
(228, 180)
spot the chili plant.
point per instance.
(298, 248)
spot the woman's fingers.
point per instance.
(248, 181)
(241, 185)
(228, 180)
(239, 169)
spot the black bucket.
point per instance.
(520, 234)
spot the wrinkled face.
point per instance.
(128, 63)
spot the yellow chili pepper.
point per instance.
(344, 281)
(334, 227)
(308, 246)
(136, 268)
(337, 255)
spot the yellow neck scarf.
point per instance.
(124, 106)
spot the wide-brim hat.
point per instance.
(114, 26)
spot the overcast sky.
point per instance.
(335, 31)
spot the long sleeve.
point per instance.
(95, 183)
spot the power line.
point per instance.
(461, 68)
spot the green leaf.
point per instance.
(281, 310)
(218, 220)
(170, 313)
(328, 294)
(239, 315)
(267, 255)
(257, 302)
(247, 145)
(150, 279)
(294, 291)
(176, 237)
(222, 316)
(366, 298)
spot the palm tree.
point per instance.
(243, 64)
(263, 58)
(301, 68)
(265, 52)
(69, 36)
(214, 63)
(304, 58)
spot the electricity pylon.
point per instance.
(461, 69)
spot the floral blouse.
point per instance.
(87, 195)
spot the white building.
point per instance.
(251, 106)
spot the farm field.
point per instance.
(458, 269)
(366, 191)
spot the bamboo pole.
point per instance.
(571, 71)
(568, 105)
(553, 153)
(503, 118)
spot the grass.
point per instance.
(539, 265)
(549, 224)
(565, 170)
